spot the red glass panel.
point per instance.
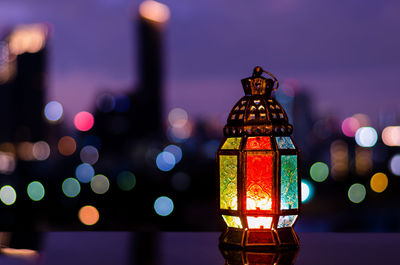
(259, 181)
(258, 143)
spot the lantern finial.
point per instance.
(259, 85)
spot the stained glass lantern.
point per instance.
(258, 170)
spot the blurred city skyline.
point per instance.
(339, 51)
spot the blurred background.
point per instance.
(111, 110)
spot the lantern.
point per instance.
(258, 170)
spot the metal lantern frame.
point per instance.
(253, 126)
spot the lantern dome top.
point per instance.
(258, 113)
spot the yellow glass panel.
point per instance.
(228, 182)
(232, 221)
(232, 143)
(259, 222)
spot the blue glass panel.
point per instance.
(289, 184)
(284, 142)
(286, 221)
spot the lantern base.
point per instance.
(285, 238)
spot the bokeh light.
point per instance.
(339, 159)
(8, 195)
(99, 184)
(105, 102)
(163, 206)
(165, 161)
(53, 111)
(41, 150)
(66, 145)
(362, 119)
(394, 165)
(35, 191)
(7, 163)
(366, 136)
(177, 117)
(71, 187)
(306, 191)
(175, 150)
(180, 181)
(391, 136)
(350, 126)
(126, 180)
(88, 215)
(357, 193)
(319, 171)
(25, 151)
(83, 121)
(89, 154)
(28, 38)
(379, 182)
(84, 172)
(154, 11)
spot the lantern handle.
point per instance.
(258, 71)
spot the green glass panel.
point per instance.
(284, 143)
(289, 185)
(232, 221)
(232, 143)
(228, 182)
(286, 221)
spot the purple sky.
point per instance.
(346, 53)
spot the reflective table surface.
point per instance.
(198, 248)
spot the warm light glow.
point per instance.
(88, 215)
(67, 145)
(163, 206)
(366, 136)
(8, 195)
(27, 254)
(339, 159)
(41, 150)
(362, 119)
(265, 203)
(28, 38)
(379, 182)
(53, 111)
(35, 191)
(25, 151)
(83, 121)
(350, 126)
(7, 162)
(357, 193)
(259, 222)
(177, 117)
(391, 136)
(154, 11)
(319, 172)
(100, 184)
(363, 160)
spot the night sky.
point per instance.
(345, 53)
